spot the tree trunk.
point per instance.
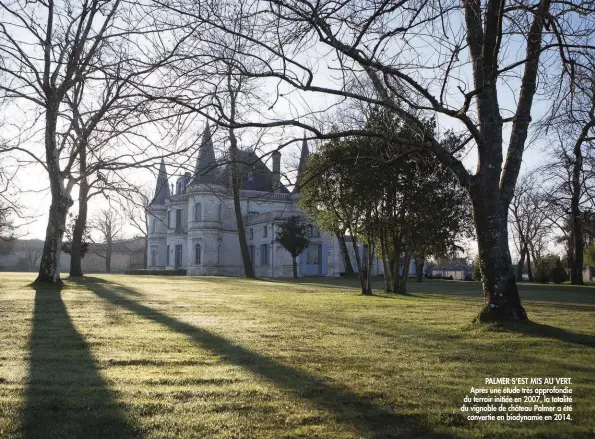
(521, 265)
(344, 252)
(146, 255)
(529, 270)
(76, 257)
(369, 267)
(49, 267)
(294, 263)
(396, 268)
(501, 296)
(235, 187)
(386, 265)
(419, 269)
(578, 245)
(358, 262)
(108, 254)
(404, 277)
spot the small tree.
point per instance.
(107, 223)
(293, 235)
(558, 274)
(542, 270)
(550, 269)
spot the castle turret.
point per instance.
(157, 221)
(305, 153)
(162, 192)
(206, 164)
(276, 177)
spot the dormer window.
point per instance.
(198, 212)
(265, 231)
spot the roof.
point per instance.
(256, 175)
(162, 192)
(305, 153)
(454, 267)
(206, 170)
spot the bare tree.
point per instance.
(530, 213)
(377, 41)
(571, 126)
(135, 208)
(32, 257)
(108, 224)
(55, 50)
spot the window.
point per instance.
(178, 219)
(154, 227)
(251, 233)
(265, 231)
(197, 254)
(264, 254)
(167, 257)
(198, 212)
(314, 232)
(169, 219)
(178, 187)
(154, 252)
(251, 252)
(313, 255)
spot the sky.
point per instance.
(30, 184)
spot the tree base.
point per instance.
(47, 285)
(510, 313)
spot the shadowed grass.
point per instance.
(183, 357)
(66, 397)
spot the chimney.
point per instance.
(276, 171)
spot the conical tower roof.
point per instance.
(206, 164)
(162, 192)
(305, 153)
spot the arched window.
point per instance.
(198, 212)
(197, 254)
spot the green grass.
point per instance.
(181, 357)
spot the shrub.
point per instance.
(476, 275)
(541, 271)
(558, 273)
(549, 269)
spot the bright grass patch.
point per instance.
(181, 357)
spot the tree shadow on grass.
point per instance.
(546, 331)
(66, 396)
(369, 418)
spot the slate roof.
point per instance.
(162, 192)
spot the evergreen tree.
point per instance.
(293, 235)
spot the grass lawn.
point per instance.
(181, 357)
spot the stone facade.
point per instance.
(193, 226)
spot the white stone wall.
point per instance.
(216, 232)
